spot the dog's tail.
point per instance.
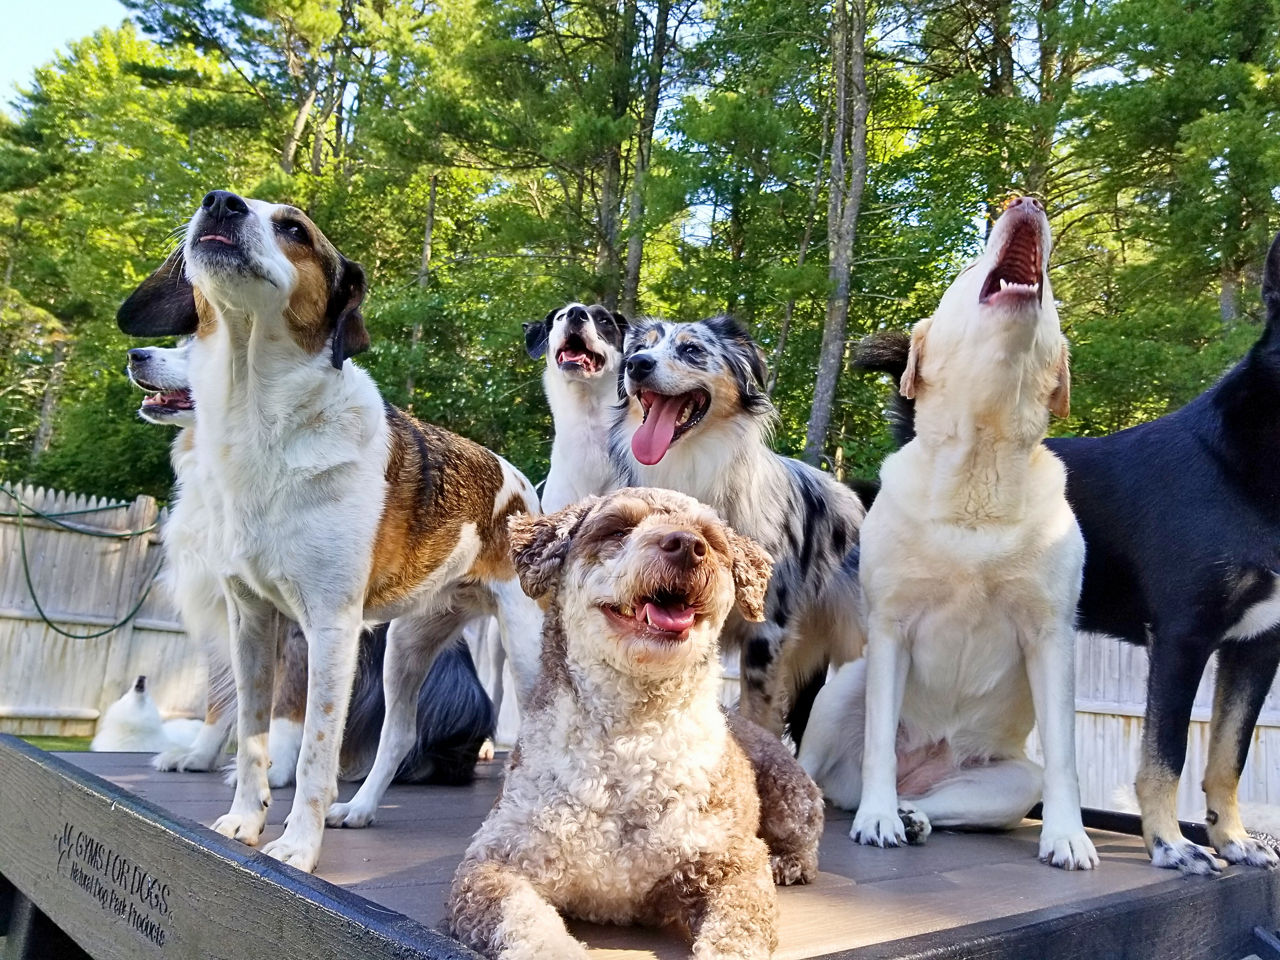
(455, 716)
(887, 352)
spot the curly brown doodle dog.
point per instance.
(627, 798)
(329, 506)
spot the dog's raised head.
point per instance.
(641, 579)
(995, 339)
(580, 342)
(687, 377)
(162, 373)
(251, 262)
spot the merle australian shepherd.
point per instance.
(696, 419)
(1181, 521)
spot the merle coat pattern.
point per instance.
(719, 453)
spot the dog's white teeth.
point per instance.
(1035, 287)
(685, 413)
(1004, 284)
(627, 611)
(648, 616)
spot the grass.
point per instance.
(64, 744)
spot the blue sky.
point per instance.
(31, 38)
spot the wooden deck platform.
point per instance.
(116, 856)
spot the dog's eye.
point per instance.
(294, 230)
(691, 351)
(617, 533)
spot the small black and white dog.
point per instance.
(1181, 521)
(697, 420)
(583, 347)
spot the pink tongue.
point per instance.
(651, 441)
(663, 618)
(572, 356)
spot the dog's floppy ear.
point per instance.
(914, 358)
(1060, 399)
(349, 334)
(537, 334)
(164, 305)
(1271, 281)
(540, 542)
(751, 569)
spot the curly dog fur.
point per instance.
(628, 799)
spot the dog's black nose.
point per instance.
(576, 317)
(138, 354)
(224, 203)
(140, 685)
(640, 366)
(683, 546)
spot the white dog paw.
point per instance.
(300, 854)
(884, 829)
(243, 827)
(348, 815)
(486, 751)
(1183, 855)
(1071, 850)
(182, 759)
(1250, 851)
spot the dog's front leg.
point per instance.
(520, 633)
(881, 821)
(1246, 670)
(495, 910)
(762, 701)
(332, 644)
(412, 646)
(1051, 669)
(736, 915)
(253, 661)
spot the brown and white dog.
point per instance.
(629, 797)
(331, 506)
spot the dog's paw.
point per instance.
(1183, 855)
(1070, 850)
(915, 825)
(879, 828)
(243, 827)
(182, 759)
(790, 869)
(300, 854)
(349, 815)
(486, 751)
(1252, 851)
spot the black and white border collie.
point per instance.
(697, 420)
(583, 350)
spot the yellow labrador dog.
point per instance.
(971, 568)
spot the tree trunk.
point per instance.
(644, 149)
(788, 311)
(607, 258)
(1229, 297)
(847, 180)
(424, 274)
(44, 432)
(290, 149)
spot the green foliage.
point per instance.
(1149, 126)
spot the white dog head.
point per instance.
(254, 262)
(580, 342)
(994, 339)
(162, 372)
(641, 579)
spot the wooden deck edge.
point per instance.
(1206, 918)
(128, 880)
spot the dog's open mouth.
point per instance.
(574, 355)
(666, 616)
(216, 238)
(1016, 276)
(169, 401)
(666, 420)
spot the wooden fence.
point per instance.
(88, 574)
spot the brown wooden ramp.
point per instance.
(380, 891)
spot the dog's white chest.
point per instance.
(1259, 618)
